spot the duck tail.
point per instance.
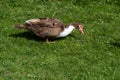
(20, 26)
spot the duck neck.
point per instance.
(67, 31)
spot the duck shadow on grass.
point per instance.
(31, 36)
(28, 35)
(115, 43)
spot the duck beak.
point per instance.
(81, 29)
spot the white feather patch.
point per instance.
(28, 22)
(66, 31)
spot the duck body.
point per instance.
(48, 27)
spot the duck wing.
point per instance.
(46, 22)
(45, 27)
(50, 22)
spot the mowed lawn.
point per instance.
(92, 56)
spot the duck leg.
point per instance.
(47, 41)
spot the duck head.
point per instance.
(78, 26)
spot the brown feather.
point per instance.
(44, 27)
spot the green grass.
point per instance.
(93, 56)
